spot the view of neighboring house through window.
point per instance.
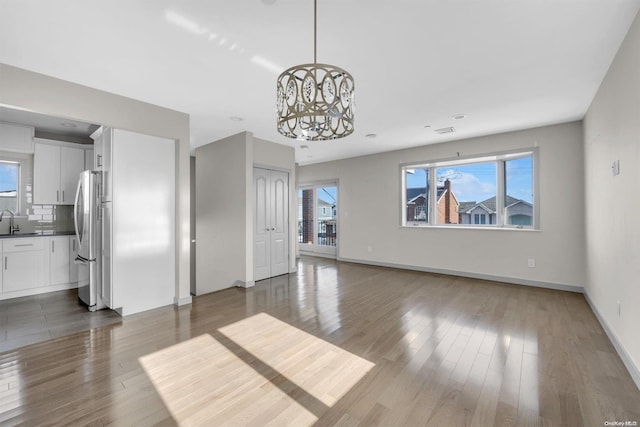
(460, 187)
(494, 190)
(317, 218)
(417, 180)
(9, 179)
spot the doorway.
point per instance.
(318, 219)
(270, 223)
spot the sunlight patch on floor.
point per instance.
(258, 371)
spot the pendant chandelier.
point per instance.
(315, 101)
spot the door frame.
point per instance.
(293, 236)
(315, 249)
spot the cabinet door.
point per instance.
(46, 175)
(22, 270)
(59, 260)
(71, 164)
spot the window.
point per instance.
(417, 202)
(493, 190)
(519, 191)
(9, 184)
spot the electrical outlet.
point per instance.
(531, 262)
(369, 249)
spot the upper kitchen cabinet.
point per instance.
(16, 138)
(55, 172)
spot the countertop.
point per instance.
(37, 234)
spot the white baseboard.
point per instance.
(633, 369)
(318, 254)
(510, 280)
(247, 284)
(182, 301)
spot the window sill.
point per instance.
(469, 227)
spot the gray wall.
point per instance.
(612, 132)
(47, 95)
(224, 208)
(222, 195)
(370, 211)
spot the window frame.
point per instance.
(500, 159)
(12, 158)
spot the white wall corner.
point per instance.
(633, 369)
(182, 300)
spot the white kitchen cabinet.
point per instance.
(16, 138)
(77, 272)
(23, 263)
(59, 260)
(55, 173)
(71, 164)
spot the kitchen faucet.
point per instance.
(12, 228)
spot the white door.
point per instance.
(270, 223)
(318, 220)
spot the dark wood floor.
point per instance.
(335, 344)
(38, 318)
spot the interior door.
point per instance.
(261, 225)
(270, 223)
(279, 216)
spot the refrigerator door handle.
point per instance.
(81, 260)
(76, 213)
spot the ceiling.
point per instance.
(504, 64)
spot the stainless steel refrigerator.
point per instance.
(88, 230)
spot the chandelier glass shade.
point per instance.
(315, 101)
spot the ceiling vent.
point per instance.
(441, 131)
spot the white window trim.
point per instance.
(500, 158)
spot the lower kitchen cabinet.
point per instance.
(59, 260)
(34, 265)
(23, 264)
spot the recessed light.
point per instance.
(427, 126)
(236, 119)
(459, 116)
(370, 135)
(68, 125)
(304, 147)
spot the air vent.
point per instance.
(445, 130)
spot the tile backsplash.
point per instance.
(45, 219)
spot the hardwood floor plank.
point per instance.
(334, 344)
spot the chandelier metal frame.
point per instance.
(315, 102)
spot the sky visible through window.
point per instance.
(327, 194)
(477, 182)
(8, 177)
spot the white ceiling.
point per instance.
(506, 64)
